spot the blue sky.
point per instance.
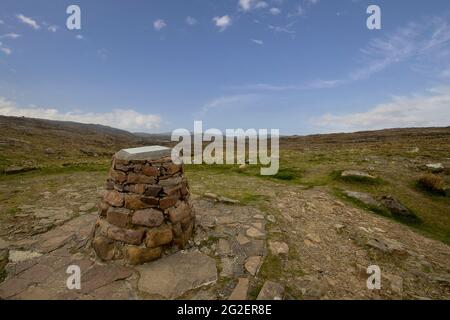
(301, 66)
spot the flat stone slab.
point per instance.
(357, 174)
(16, 256)
(240, 291)
(363, 197)
(172, 276)
(143, 153)
(252, 265)
(277, 247)
(271, 291)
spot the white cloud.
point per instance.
(222, 22)
(314, 84)
(275, 11)
(426, 43)
(10, 36)
(261, 5)
(126, 119)
(281, 29)
(298, 12)
(229, 101)
(415, 41)
(79, 37)
(248, 5)
(428, 110)
(53, 28)
(102, 53)
(159, 24)
(28, 21)
(260, 42)
(2, 22)
(6, 51)
(191, 21)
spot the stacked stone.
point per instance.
(146, 209)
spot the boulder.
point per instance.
(365, 198)
(105, 248)
(159, 236)
(396, 208)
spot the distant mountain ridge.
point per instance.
(30, 142)
(34, 142)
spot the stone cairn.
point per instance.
(146, 210)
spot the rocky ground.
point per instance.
(305, 245)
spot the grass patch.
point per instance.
(44, 171)
(272, 267)
(248, 198)
(432, 184)
(255, 289)
(287, 174)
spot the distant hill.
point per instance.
(163, 137)
(29, 143)
(38, 142)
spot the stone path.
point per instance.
(229, 245)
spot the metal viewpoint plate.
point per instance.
(144, 153)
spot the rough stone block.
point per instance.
(150, 171)
(117, 176)
(134, 202)
(118, 216)
(152, 201)
(170, 182)
(167, 202)
(136, 188)
(148, 217)
(152, 190)
(172, 168)
(139, 255)
(102, 207)
(105, 248)
(172, 191)
(109, 184)
(126, 235)
(135, 178)
(180, 212)
(114, 198)
(159, 236)
(101, 227)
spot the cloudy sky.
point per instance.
(302, 66)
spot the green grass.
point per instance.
(44, 171)
(272, 267)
